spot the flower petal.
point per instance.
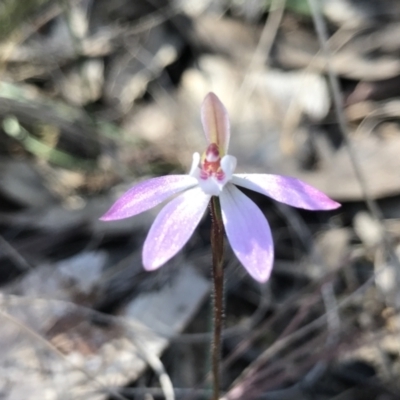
(228, 165)
(287, 190)
(248, 232)
(195, 165)
(211, 186)
(215, 120)
(148, 194)
(173, 227)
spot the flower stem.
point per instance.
(217, 246)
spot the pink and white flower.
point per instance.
(212, 174)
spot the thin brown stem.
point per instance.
(217, 245)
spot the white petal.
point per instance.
(287, 190)
(148, 194)
(248, 232)
(211, 186)
(173, 227)
(228, 165)
(195, 165)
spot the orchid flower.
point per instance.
(212, 174)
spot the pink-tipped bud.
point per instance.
(215, 122)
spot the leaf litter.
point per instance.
(95, 96)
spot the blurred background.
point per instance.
(96, 95)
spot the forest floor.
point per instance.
(96, 95)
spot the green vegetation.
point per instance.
(15, 12)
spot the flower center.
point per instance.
(211, 171)
(211, 163)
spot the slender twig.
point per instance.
(300, 333)
(217, 245)
(14, 255)
(262, 51)
(321, 29)
(376, 212)
(157, 366)
(155, 391)
(41, 340)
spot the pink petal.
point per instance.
(173, 227)
(148, 194)
(215, 120)
(248, 232)
(287, 190)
